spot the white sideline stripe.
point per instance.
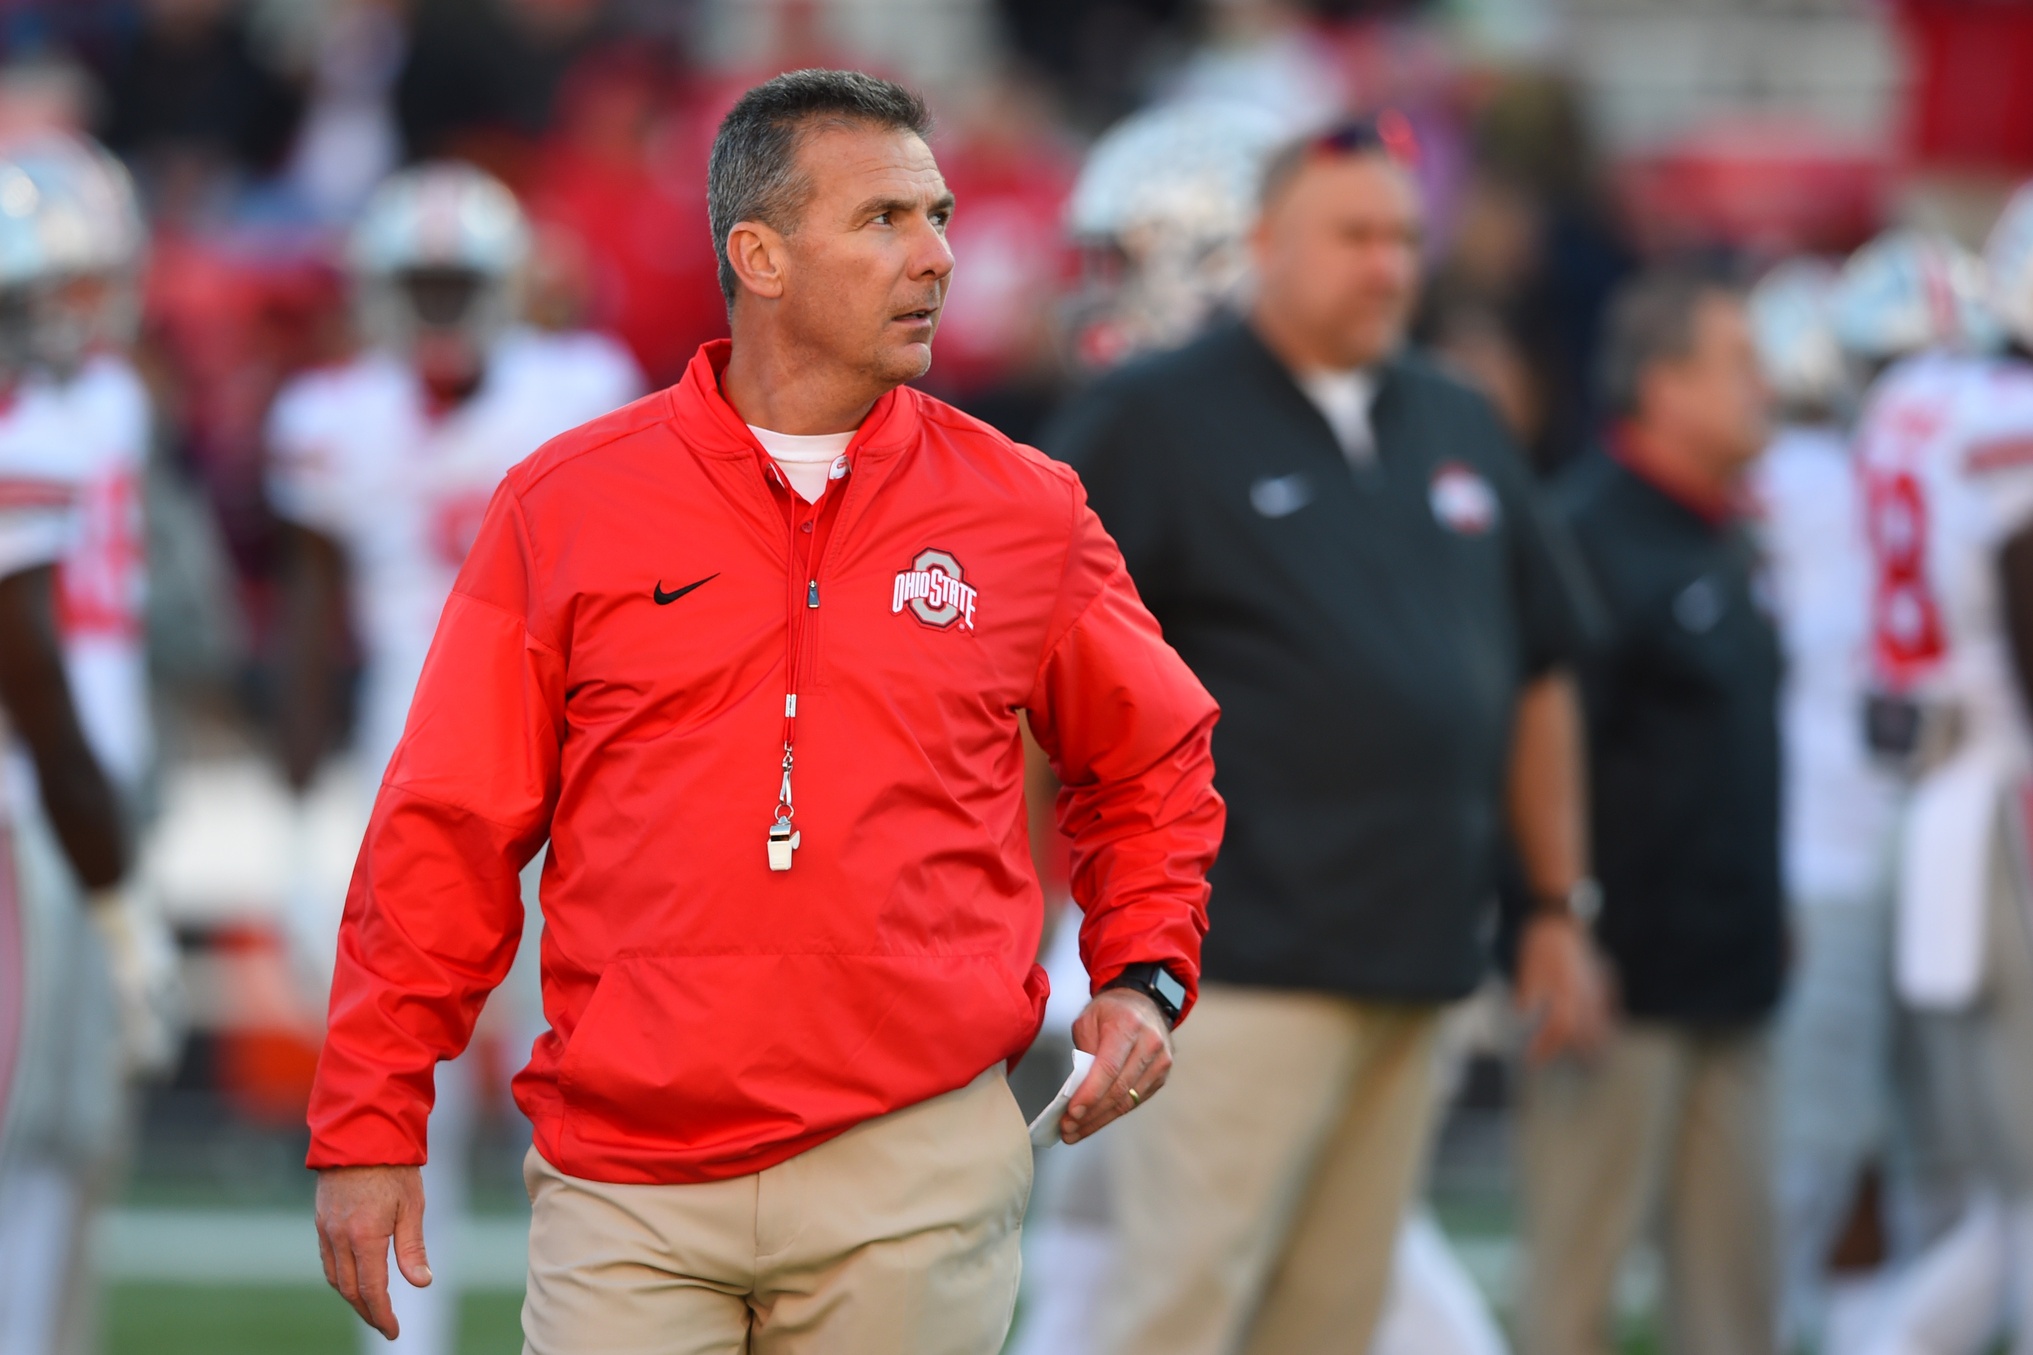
(277, 1247)
(274, 1246)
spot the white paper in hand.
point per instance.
(1045, 1129)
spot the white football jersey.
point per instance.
(1946, 447)
(102, 582)
(72, 459)
(38, 490)
(1838, 807)
(357, 455)
(38, 520)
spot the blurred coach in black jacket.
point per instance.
(1346, 548)
(1683, 715)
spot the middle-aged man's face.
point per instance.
(1337, 254)
(1714, 399)
(867, 265)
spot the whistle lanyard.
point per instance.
(811, 526)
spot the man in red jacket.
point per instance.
(751, 654)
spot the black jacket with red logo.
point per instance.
(1366, 629)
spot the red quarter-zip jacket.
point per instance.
(612, 673)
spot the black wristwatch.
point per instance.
(1155, 982)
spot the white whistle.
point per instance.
(783, 840)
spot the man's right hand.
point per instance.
(1561, 988)
(360, 1209)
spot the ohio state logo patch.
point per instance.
(1462, 500)
(935, 590)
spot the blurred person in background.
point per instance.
(1682, 695)
(1944, 444)
(1098, 54)
(618, 181)
(81, 1017)
(45, 92)
(480, 79)
(196, 105)
(1908, 310)
(382, 467)
(1533, 252)
(1347, 549)
(1007, 157)
(1161, 213)
(348, 140)
(1475, 343)
(1269, 55)
(1833, 1043)
(1909, 294)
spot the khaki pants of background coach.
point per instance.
(1665, 1123)
(1259, 1194)
(900, 1237)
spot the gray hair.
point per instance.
(753, 174)
(1651, 320)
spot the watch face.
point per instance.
(1170, 989)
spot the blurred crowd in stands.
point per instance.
(256, 131)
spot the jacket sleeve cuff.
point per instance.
(365, 1142)
(363, 1116)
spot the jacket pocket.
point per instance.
(723, 1057)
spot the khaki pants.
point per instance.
(1259, 1194)
(900, 1236)
(1663, 1118)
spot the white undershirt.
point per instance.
(807, 461)
(1343, 399)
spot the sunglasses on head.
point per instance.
(1389, 133)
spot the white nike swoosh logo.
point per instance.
(1280, 495)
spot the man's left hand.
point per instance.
(141, 955)
(1132, 1048)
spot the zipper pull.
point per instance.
(812, 593)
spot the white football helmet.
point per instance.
(95, 240)
(1162, 207)
(24, 249)
(1910, 290)
(24, 264)
(439, 246)
(1791, 322)
(2008, 259)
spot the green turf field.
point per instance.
(169, 1319)
(166, 1319)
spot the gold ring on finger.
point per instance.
(1134, 1099)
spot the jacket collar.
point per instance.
(1382, 369)
(1384, 376)
(1714, 513)
(710, 424)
